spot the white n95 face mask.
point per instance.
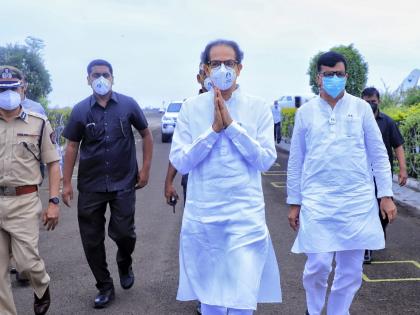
(208, 85)
(101, 85)
(223, 77)
(9, 100)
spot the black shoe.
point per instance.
(104, 298)
(13, 271)
(198, 308)
(42, 305)
(126, 278)
(306, 313)
(367, 260)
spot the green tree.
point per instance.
(357, 69)
(28, 58)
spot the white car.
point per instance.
(292, 100)
(168, 121)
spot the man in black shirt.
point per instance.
(101, 125)
(393, 140)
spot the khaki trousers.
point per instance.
(19, 234)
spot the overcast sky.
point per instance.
(154, 46)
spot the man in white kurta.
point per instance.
(336, 148)
(226, 258)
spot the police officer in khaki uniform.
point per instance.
(26, 138)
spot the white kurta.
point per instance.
(226, 256)
(332, 157)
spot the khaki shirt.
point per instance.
(21, 150)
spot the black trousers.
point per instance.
(121, 229)
(384, 222)
(277, 132)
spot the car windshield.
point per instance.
(174, 107)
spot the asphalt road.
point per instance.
(390, 286)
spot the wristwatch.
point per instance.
(54, 200)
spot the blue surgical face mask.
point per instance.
(223, 77)
(333, 86)
(9, 100)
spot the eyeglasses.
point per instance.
(217, 63)
(97, 75)
(330, 74)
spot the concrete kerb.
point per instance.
(407, 197)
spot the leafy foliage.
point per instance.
(287, 121)
(357, 69)
(412, 97)
(410, 130)
(29, 60)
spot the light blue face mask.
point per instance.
(223, 77)
(207, 84)
(333, 86)
(9, 100)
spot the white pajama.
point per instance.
(220, 310)
(347, 280)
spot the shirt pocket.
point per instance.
(352, 126)
(122, 127)
(27, 148)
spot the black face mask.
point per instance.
(374, 106)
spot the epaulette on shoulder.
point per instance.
(38, 115)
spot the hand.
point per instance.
(227, 120)
(388, 209)
(402, 177)
(142, 178)
(170, 192)
(294, 216)
(50, 216)
(67, 194)
(217, 121)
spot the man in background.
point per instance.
(393, 141)
(276, 110)
(170, 190)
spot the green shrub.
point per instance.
(412, 97)
(287, 121)
(389, 100)
(410, 129)
(399, 114)
(58, 118)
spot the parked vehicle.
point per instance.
(168, 121)
(292, 100)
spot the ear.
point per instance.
(198, 79)
(207, 70)
(319, 80)
(88, 80)
(239, 69)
